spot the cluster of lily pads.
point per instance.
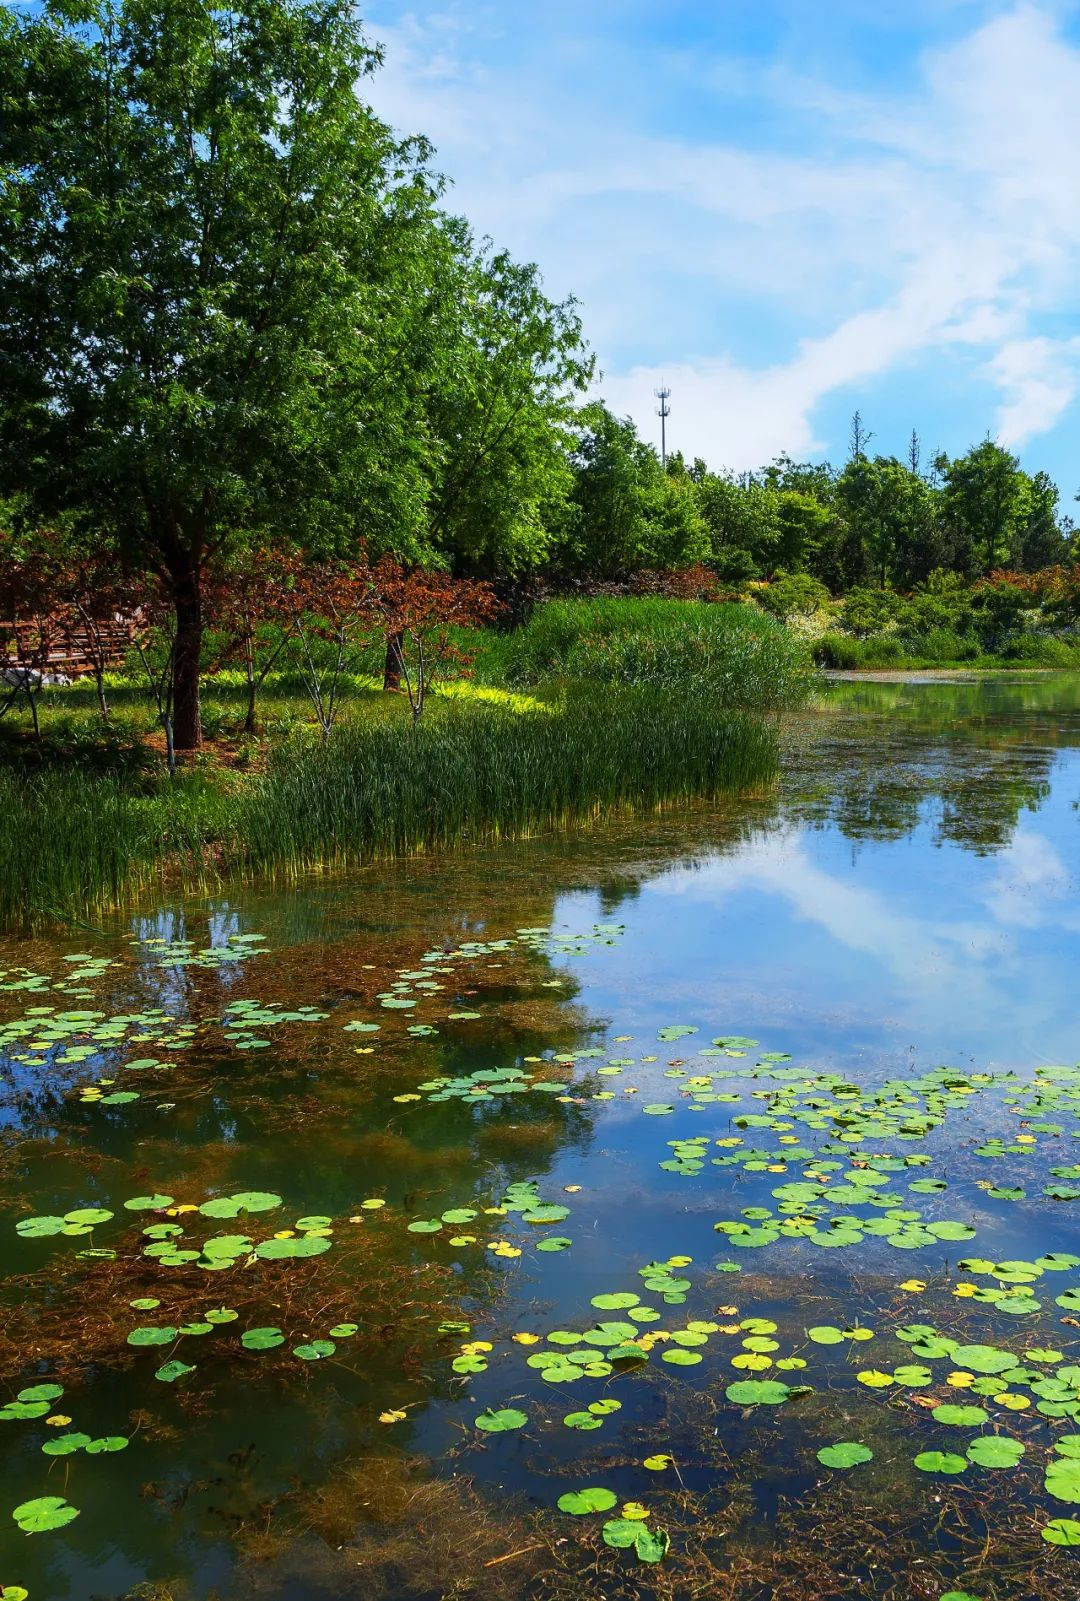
(423, 980)
(842, 1168)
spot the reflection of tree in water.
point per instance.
(886, 757)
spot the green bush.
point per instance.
(842, 651)
(793, 595)
(868, 611)
(740, 658)
(942, 645)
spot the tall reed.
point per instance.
(487, 773)
(741, 657)
(72, 843)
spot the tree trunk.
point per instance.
(252, 686)
(187, 596)
(392, 662)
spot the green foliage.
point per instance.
(71, 843)
(627, 513)
(793, 595)
(485, 771)
(729, 652)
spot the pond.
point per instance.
(685, 1207)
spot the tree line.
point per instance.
(237, 318)
(877, 520)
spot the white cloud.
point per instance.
(1030, 885)
(1038, 379)
(861, 233)
(924, 955)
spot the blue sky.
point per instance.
(787, 210)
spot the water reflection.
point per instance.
(905, 895)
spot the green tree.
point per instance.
(504, 418)
(1039, 539)
(213, 320)
(805, 529)
(982, 503)
(627, 513)
(743, 519)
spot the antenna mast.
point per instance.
(663, 411)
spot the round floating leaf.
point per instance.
(615, 1303)
(43, 1513)
(824, 1334)
(995, 1451)
(245, 1201)
(502, 1421)
(314, 1350)
(37, 1228)
(846, 1454)
(1063, 1479)
(758, 1392)
(964, 1417)
(282, 1250)
(108, 1443)
(590, 1500)
(1062, 1531)
(42, 1392)
(163, 1336)
(582, 1420)
(983, 1358)
(621, 1533)
(553, 1242)
(681, 1358)
(261, 1339)
(651, 1545)
(169, 1372)
(940, 1462)
(66, 1444)
(148, 1203)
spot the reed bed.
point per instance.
(740, 656)
(72, 843)
(486, 773)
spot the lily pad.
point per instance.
(846, 1454)
(501, 1421)
(43, 1513)
(579, 1502)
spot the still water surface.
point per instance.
(904, 898)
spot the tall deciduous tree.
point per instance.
(982, 502)
(503, 417)
(211, 286)
(627, 513)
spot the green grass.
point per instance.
(943, 648)
(741, 657)
(593, 707)
(73, 842)
(488, 773)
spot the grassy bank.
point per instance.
(593, 707)
(738, 655)
(942, 648)
(489, 773)
(73, 842)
